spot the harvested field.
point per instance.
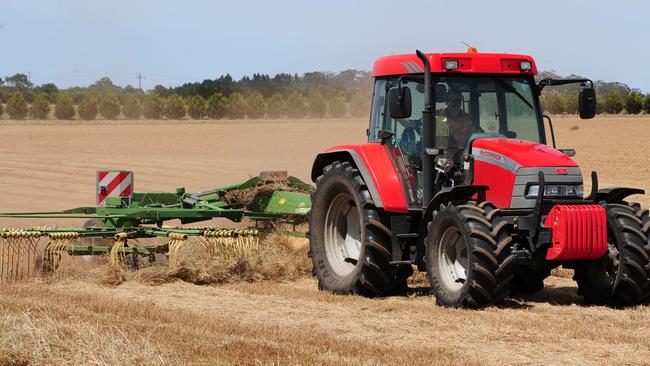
(51, 165)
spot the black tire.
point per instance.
(487, 245)
(621, 277)
(643, 214)
(528, 280)
(370, 274)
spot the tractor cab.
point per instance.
(473, 96)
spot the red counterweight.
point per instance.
(579, 232)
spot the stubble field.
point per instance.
(51, 165)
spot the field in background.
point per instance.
(51, 165)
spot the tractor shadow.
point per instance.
(551, 294)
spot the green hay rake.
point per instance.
(270, 200)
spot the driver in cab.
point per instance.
(459, 122)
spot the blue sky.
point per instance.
(76, 42)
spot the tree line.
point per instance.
(611, 97)
(315, 95)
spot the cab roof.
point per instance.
(469, 62)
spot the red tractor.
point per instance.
(470, 192)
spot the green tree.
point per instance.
(571, 103)
(646, 103)
(553, 103)
(197, 107)
(217, 106)
(337, 107)
(255, 106)
(152, 106)
(40, 107)
(64, 108)
(174, 107)
(297, 105)
(109, 106)
(19, 81)
(50, 90)
(2, 110)
(88, 107)
(613, 102)
(633, 103)
(131, 107)
(236, 106)
(360, 104)
(317, 105)
(17, 106)
(276, 107)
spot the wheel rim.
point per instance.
(453, 259)
(342, 234)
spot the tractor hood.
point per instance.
(512, 154)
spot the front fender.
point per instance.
(616, 194)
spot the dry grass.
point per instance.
(276, 260)
(33, 336)
(292, 322)
(245, 196)
(282, 322)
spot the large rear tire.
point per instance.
(350, 244)
(621, 277)
(468, 255)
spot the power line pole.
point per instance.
(140, 77)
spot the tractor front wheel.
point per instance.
(350, 245)
(468, 255)
(620, 278)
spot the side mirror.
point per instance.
(587, 103)
(399, 102)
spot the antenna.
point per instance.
(470, 49)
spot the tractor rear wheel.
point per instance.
(468, 255)
(621, 277)
(350, 244)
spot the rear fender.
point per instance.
(456, 193)
(376, 168)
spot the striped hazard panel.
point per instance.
(114, 183)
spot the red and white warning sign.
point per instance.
(114, 183)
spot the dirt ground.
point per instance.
(51, 165)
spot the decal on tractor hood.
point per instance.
(492, 157)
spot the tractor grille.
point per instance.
(527, 176)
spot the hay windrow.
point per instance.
(278, 259)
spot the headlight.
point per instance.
(557, 190)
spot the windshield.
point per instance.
(491, 105)
(467, 105)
